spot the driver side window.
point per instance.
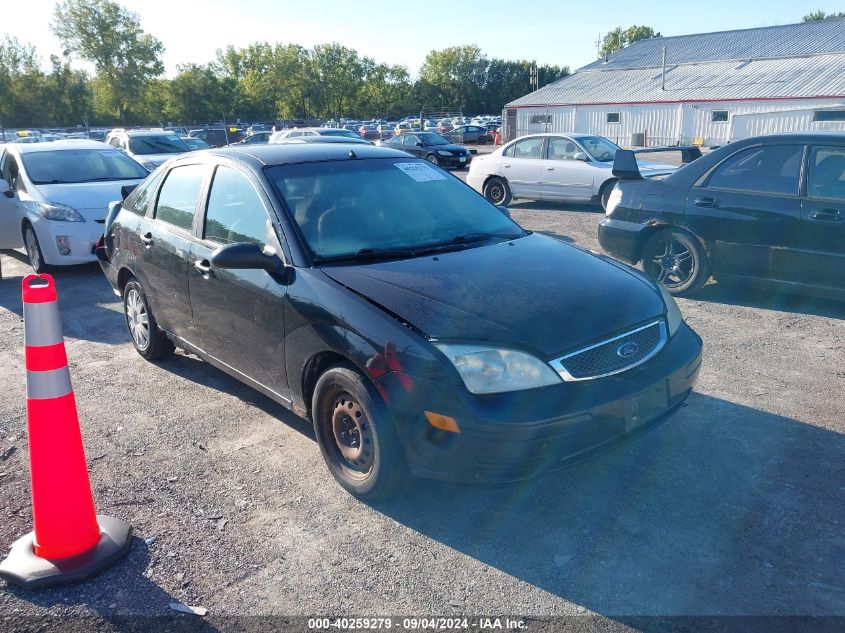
(561, 148)
(235, 212)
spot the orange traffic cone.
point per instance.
(70, 542)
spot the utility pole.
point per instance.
(534, 77)
(663, 73)
(598, 47)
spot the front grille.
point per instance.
(613, 355)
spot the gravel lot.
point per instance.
(734, 507)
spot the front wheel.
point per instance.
(356, 434)
(676, 260)
(431, 158)
(496, 190)
(33, 250)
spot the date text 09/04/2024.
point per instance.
(415, 624)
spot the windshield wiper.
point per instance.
(367, 254)
(465, 239)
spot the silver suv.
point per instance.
(151, 148)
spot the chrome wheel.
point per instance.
(352, 433)
(137, 319)
(32, 249)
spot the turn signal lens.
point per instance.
(442, 422)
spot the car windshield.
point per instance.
(395, 206)
(157, 145)
(339, 132)
(599, 148)
(433, 139)
(80, 165)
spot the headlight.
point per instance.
(441, 152)
(674, 318)
(57, 212)
(613, 201)
(490, 370)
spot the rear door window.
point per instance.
(771, 169)
(528, 148)
(827, 173)
(177, 199)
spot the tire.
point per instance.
(606, 190)
(33, 250)
(431, 158)
(676, 260)
(349, 416)
(149, 341)
(497, 191)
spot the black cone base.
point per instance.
(24, 569)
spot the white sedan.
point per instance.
(53, 197)
(556, 167)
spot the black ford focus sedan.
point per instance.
(419, 327)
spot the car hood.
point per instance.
(89, 198)
(451, 147)
(158, 159)
(535, 293)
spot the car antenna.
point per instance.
(352, 154)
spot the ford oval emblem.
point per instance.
(628, 350)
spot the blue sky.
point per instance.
(562, 32)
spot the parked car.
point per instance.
(194, 143)
(323, 139)
(256, 138)
(571, 167)
(768, 210)
(311, 131)
(369, 133)
(401, 128)
(468, 134)
(432, 147)
(417, 325)
(149, 147)
(53, 197)
(218, 137)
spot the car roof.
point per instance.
(290, 153)
(146, 132)
(60, 145)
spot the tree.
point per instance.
(817, 16)
(455, 76)
(110, 37)
(619, 38)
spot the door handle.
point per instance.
(550, 168)
(204, 267)
(147, 238)
(506, 166)
(707, 203)
(826, 215)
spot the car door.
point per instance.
(167, 237)
(822, 260)
(239, 314)
(563, 176)
(10, 223)
(409, 144)
(521, 165)
(749, 209)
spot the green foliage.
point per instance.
(619, 38)
(816, 16)
(110, 37)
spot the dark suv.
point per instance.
(218, 137)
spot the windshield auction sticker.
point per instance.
(420, 172)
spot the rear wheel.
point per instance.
(676, 260)
(33, 250)
(356, 434)
(496, 190)
(148, 339)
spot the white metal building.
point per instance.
(712, 89)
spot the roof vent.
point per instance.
(743, 64)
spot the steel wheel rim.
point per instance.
(673, 265)
(32, 249)
(137, 319)
(432, 159)
(353, 434)
(497, 193)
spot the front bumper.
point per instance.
(82, 237)
(454, 161)
(621, 239)
(509, 437)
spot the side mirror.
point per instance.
(5, 189)
(125, 190)
(246, 255)
(504, 209)
(418, 144)
(581, 156)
